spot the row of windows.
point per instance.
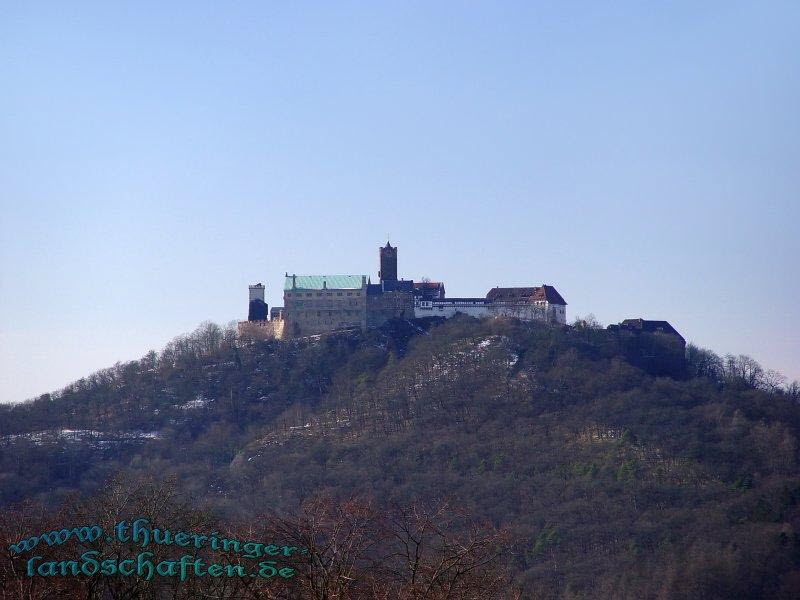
(310, 313)
(324, 303)
(319, 294)
(331, 322)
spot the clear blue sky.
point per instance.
(156, 157)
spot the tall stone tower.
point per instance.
(258, 308)
(388, 256)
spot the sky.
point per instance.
(158, 157)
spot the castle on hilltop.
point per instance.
(315, 304)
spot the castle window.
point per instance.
(340, 293)
(349, 293)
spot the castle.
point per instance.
(316, 304)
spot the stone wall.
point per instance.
(309, 312)
(389, 305)
(261, 330)
(522, 311)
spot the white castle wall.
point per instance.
(478, 308)
(448, 309)
(559, 313)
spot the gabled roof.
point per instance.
(650, 326)
(525, 294)
(319, 282)
(428, 289)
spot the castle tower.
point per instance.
(258, 308)
(388, 257)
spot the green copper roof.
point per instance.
(318, 282)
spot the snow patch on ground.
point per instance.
(102, 439)
(198, 402)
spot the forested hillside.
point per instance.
(617, 465)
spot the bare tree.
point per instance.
(772, 381)
(358, 550)
(793, 390)
(744, 368)
(587, 322)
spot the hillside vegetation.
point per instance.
(618, 466)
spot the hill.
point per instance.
(618, 466)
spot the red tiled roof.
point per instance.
(429, 289)
(428, 284)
